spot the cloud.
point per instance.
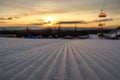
(39, 10)
(86, 22)
(72, 22)
(36, 24)
(9, 18)
(117, 18)
(40, 20)
(17, 17)
(104, 20)
(3, 22)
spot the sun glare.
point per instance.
(49, 20)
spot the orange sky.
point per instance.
(36, 13)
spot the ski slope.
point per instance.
(57, 59)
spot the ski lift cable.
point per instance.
(102, 14)
(103, 6)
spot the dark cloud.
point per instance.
(17, 17)
(41, 23)
(72, 22)
(36, 24)
(86, 22)
(104, 20)
(9, 18)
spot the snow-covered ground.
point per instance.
(57, 59)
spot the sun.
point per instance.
(49, 20)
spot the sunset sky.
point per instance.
(50, 12)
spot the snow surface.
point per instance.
(57, 59)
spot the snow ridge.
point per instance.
(57, 59)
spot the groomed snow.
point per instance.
(57, 59)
